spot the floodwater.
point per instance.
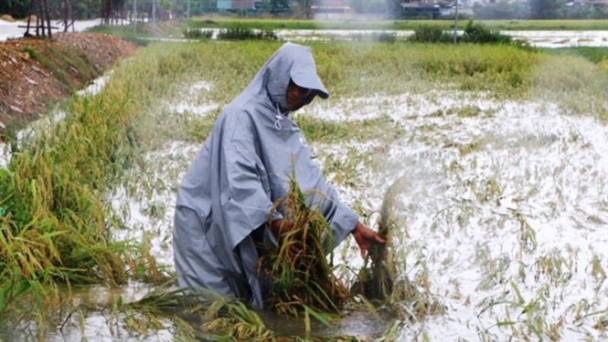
(102, 324)
(544, 39)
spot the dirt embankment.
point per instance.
(37, 72)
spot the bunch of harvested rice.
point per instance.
(302, 277)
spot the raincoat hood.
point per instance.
(291, 62)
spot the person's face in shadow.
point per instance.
(297, 97)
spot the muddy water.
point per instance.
(96, 322)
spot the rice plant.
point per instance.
(302, 278)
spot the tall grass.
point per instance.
(71, 67)
(55, 227)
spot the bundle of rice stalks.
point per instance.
(302, 277)
(376, 279)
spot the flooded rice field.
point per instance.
(505, 210)
(504, 213)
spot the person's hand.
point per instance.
(280, 229)
(365, 238)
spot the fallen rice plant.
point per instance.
(204, 315)
(376, 277)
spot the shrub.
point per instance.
(430, 34)
(198, 34)
(386, 37)
(241, 33)
(479, 34)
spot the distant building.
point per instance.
(331, 6)
(591, 2)
(236, 4)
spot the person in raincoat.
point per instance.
(226, 197)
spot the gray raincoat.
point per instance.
(241, 170)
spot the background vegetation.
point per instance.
(272, 24)
(506, 10)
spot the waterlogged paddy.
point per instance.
(505, 208)
(544, 39)
(504, 212)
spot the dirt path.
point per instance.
(37, 72)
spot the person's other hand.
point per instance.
(365, 238)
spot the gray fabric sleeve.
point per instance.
(342, 219)
(246, 203)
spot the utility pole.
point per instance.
(134, 14)
(188, 10)
(153, 17)
(456, 23)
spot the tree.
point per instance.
(393, 8)
(275, 6)
(502, 10)
(375, 6)
(16, 8)
(547, 9)
(303, 6)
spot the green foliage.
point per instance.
(479, 34)
(546, 9)
(594, 54)
(502, 10)
(386, 37)
(55, 227)
(135, 35)
(274, 24)
(571, 80)
(242, 33)
(431, 34)
(504, 69)
(325, 131)
(15, 8)
(215, 318)
(197, 34)
(72, 68)
(274, 6)
(475, 33)
(84, 9)
(369, 6)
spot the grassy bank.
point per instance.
(511, 25)
(57, 226)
